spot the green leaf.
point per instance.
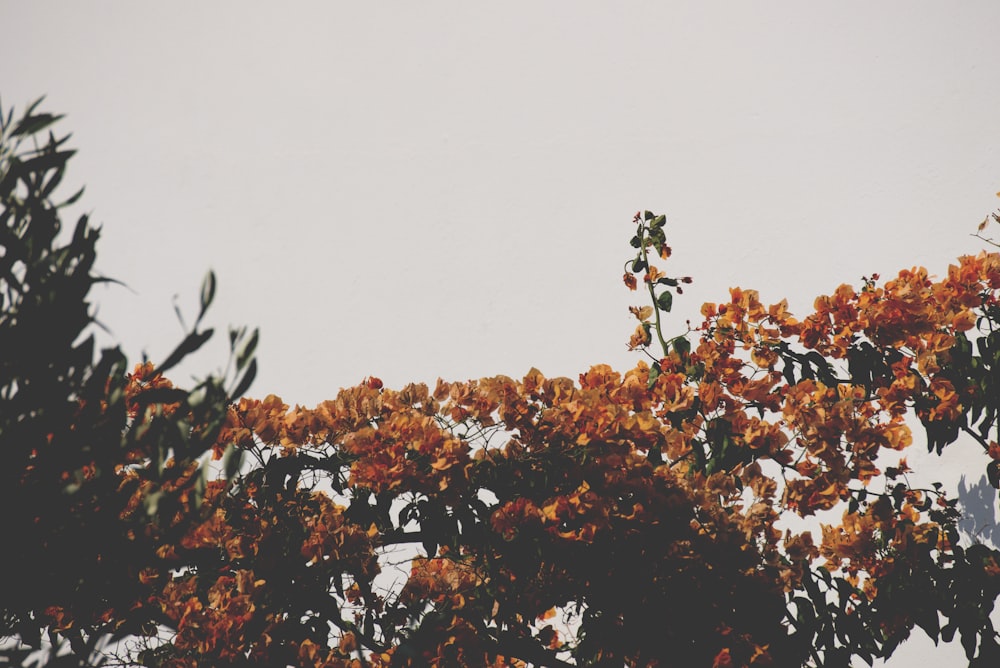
(72, 198)
(968, 639)
(45, 162)
(197, 397)
(52, 183)
(805, 614)
(234, 336)
(247, 350)
(161, 395)
(429, 544)
(654, 373)
(232, 460)
(190, 344)
(152, 502)
(638, 265)
(200, 485)
(682, 345)
(817, 596)
(698, 448)
(32, 124)
(246, 381)
(665, 301)
(207, 294)
(33, 106)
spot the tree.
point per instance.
(617, 519)
(80, 437)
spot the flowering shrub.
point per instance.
(615, 519)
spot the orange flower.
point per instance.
(641, 313)
(723, 659)
(640, 337)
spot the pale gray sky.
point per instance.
(445, 189)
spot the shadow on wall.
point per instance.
(979, 507)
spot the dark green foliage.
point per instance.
(65, 428)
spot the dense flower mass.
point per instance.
(559, 522)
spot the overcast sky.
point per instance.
(415, 190)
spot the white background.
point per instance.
(414, 190)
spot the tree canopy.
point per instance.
(620, 518)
